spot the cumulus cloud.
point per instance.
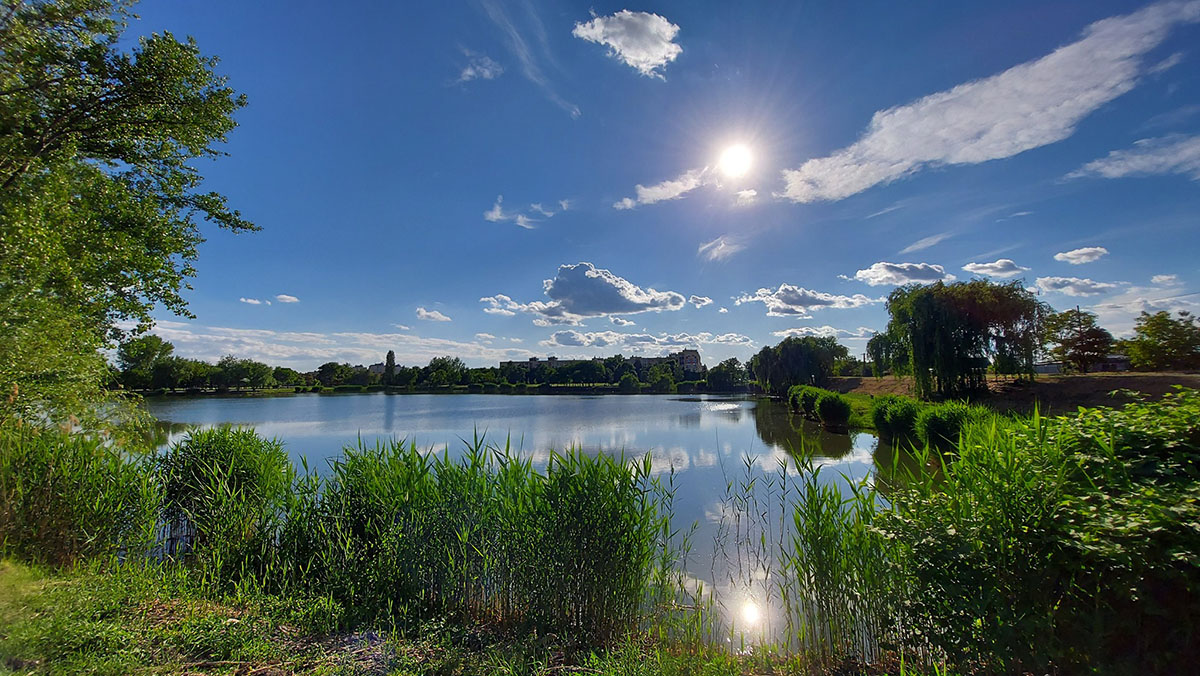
(496, 213)
(797, 301)
(582, 290)
(723, 310)
(1165, 280)
(479, 67)
(1080, 256)
(285, 298)
(925, 242)
(620, 321)
(667, 190)
(1074, 286)
(641, 40)
(305, 350)
(895, 274)
(1175, 154)
(820, 331)
(700, 301)
(641, 342)
(1027, 106)
(719, 249)
(254, 301)
(485, 338)
(402, 327)
(431, 315)
(1002, 268)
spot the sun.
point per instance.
(750, 613)
(735, 161)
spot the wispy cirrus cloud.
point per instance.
(523, 52)
(580, 291)
(1175, 154)
(1002, 268)
(523, 219)
(640, 40)
(1165, 280)
(896, 274)
(720, 248)
(926, 242)
(1027, 106)
(796, 301)
(1087, 254)
(671, 189)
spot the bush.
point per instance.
(67, 497)
(941, 424)
(521, 388)
(506, 388)
(317, 388)
(373, 388)
(348, 388)
(475, 388)
(298, 389)
(833, 409)
(490, 388)
(895, 416)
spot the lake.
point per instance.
(708, 442)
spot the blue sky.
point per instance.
(498, 180)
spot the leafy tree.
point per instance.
(1076, 339)
(286, 376)
(446, 371)
(257, 374)
(138, 358)
(796, 361)
(331, 374)
(1161, 342)
(727, 375)
(389, 368)
(629, 383)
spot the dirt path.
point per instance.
(1051, 393)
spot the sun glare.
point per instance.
(735, 161)
(750, 613)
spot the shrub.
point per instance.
(67, 497)
(803, 398)
(833, 409)
(521, 388)
(373, 388)
(298, 388)
(348, 388)
(629, 384)
(895, 416)
(941, 424)
(490, 388)
(506, 388)
(475, 388)
(317, 388)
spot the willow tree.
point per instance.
(796, 361)
(951, 333)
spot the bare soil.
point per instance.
(1052, 394)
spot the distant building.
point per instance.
(377, 368)
(1112, 362)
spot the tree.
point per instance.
(138, 358)
(1077, 339)
(1161, 342)
(727, 375)
(286, 376)
(389, 368)
(629, 383)
(446, 371)
(796, 361)
(331, 374)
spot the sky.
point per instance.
(498, 180)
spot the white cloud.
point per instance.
(641, 342)
(925, 242)
(485, 338)
(1074, 286)
(1175, 154)
(620, 321)
(1002, 268)
(641, 40)
(520, 48)
(1027, 106)
(800, 332)
(254, 301)
(1080, 256)
(285, 298)
(797, 301)
(1165, 280)
(723, 310)
(431, 315)
(1119, 313)
(524, 221)
(700, 301)
(667, 190)
(402, 327)
(720, 248)
(1166, 64)
(745, 197)
(479, 67)
(895, 274)
(564, 205)
(582, 290)
(537, 206)
(496, 213)
(305, 350)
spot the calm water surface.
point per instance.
(708, 441)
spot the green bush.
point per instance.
(475, 388)
(490, 388)
(69, 497)
(348, 388)
(316, 388)
(629, 384)
(506, 388)
(833, 409)
(941, 424)
(895, 416)
(299, 388)
(373, 388)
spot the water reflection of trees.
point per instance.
(896, 462)
(779, 427)
(162, 432)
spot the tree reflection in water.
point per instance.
(779, 428)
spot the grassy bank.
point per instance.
(1063, 545)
